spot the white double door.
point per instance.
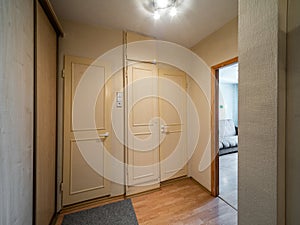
(157, 124)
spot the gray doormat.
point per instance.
(118, 213)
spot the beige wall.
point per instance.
(199, 164)
(219, 46)
(293, 112)
(88, 42)
(16, 111)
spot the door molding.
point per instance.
(215, 124)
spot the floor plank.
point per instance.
(180, 202)
(183, 202)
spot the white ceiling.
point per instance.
(229, 74)
(195, 20)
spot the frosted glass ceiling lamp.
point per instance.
(156, 15)
(164, 5)
(173, 11)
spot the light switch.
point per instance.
(119, 99)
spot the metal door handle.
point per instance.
(164, 129)
(105, 135)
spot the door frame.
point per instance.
(215, 124)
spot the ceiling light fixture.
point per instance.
(164, 5)
(173, 11)
(156, 15)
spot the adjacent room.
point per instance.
(228, 133)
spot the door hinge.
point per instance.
(61, 187)
(63, 73)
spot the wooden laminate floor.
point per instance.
(179, 203)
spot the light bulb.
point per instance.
(156, 15)
(162, 3)
(173, 12)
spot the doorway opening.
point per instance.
(225, 131)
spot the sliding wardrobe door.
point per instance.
(45, 119)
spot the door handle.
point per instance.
(164, 129)
(105, 135)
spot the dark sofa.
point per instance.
(228, 137)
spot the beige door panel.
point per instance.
(81, 182)
(143, 167)
(173, 128)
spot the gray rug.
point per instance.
(118, 213)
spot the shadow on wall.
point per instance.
(293, 115)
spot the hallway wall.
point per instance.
(228, 102)
(262, 92)
(16, 112)
(218, 47)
